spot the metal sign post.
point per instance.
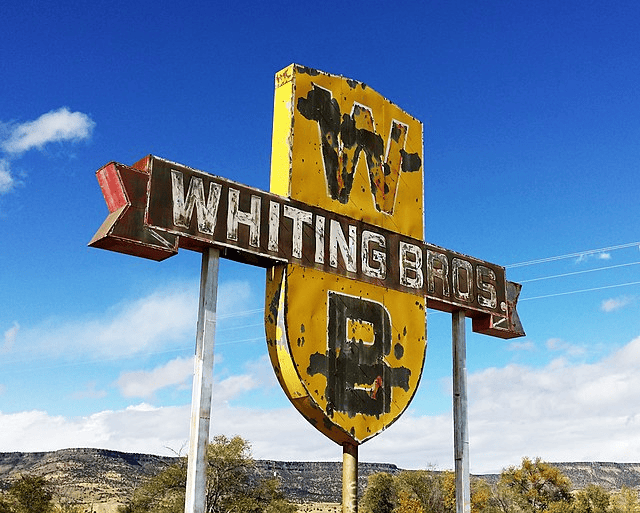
(349, 478)
(460, 420)
(195, 497)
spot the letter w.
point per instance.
(344, 137)
(206, 213)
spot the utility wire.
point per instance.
(578, 272)
(580, 291)
(572, 255)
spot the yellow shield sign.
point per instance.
(347, 352)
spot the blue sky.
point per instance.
(531, 119)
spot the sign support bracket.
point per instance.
(460, 417)
(195, 497)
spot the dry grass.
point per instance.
(320, 507)
(316, 507)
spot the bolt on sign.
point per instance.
(349, 276)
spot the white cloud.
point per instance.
(527, 345)
(233, 386)
(134, 429)
(164, 318)
(557, 344)
(89, 392)
(609, 305)
(145, 383)
(54, 126)
(10, 338)
(560, 412)
(275, 434)
(151, 323)
(603, 255)
(7, 181)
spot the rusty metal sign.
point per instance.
(157, 206)
(349, 276)
(349, 354)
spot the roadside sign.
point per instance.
(349, 353)
(348, 274)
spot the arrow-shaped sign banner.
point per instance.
(157, 206)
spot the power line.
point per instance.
(240, 314)
(580, 291)
(572, 255)
(579, 272)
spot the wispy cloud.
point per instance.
(557, 344)
(54, 126)
(10, 338)
(7, 181)
(602, 255)
(179, 373)
(234, 386)
(60, 125)
(89, 392)
(609, 305)
(132, 327)
(144, 384)
(164, 318)
(526, 345)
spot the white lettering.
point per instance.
(319, 240)
(298, 217)
(483, 272)
(337, 241)
(441, 272)
(206, 213)
(236, 216)
(274, 225)
(411, 274)
(462, 289)
(380, 271)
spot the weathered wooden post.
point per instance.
(460, 420)
(195, 497)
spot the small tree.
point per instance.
(30, 494)
(625, 501)
(229, 487)
(408, 503)
(5, 507)
(380, 495)
(229, 463)
(534, 487)
(480, 495)
(428, 487)
(591, 499)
